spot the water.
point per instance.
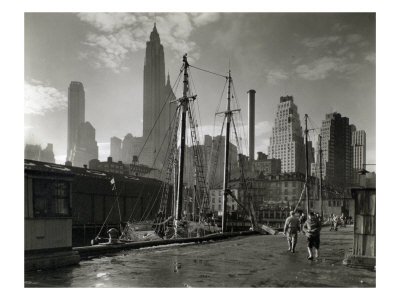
(252, 261)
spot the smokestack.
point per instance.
(251, 118)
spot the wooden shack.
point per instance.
(364, 248)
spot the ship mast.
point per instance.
(320, 176)
(228, 114)
(307, 197)
(183, 102)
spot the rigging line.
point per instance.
(220, 98)
(241, 117)
(198, 159)
(165, 136)
(219, 105)
(105, 221)
(154, 202)
(119, 210)
(241, 120)
(243, 178)
(213, 168)
(171, 161)
(175, 86)
(164, 164)
(240, 150)
(208, 71)
(197, 102)
(213, 134)
(133, 209)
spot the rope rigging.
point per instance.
(162, 108)
(207, 71)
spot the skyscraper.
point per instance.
(115, 148)
(85, 148)
(35, 152)
(128, 147)
(76, 114)
(287, 142)
(157, 110)
(47, 154)
(336, 150)
(358, 143)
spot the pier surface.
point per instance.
(250, 261)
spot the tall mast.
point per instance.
(306, 134)
(320, 176)
(184, 106)
(228, 115)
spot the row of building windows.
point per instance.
(51, 198)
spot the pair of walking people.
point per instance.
(311, 228)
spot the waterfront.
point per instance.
(253, 261)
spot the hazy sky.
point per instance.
(326, 61)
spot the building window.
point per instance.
(51, 198)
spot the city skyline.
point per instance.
(327, 68)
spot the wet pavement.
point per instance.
(252, 261)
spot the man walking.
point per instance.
(292, 226)
(312, 228)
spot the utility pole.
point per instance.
(320, 175)
(306, 134)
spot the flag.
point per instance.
(112, 181)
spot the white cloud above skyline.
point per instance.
(332, 54)
(121, 33)
(273, 76)
(323, 67)
(40, 98)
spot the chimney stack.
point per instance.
(251, 120)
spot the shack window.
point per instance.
(51, 198)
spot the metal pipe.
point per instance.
(251, 120)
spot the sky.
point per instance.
(326, 61)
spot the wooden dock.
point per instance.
(88, 252)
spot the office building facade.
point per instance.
(287, 142)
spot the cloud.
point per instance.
(320, 41)
(332, 55)
(353, 38)
(111, 50)
(108, 22)
(201, 19)
(323, 67)
(370, 57)
(119, 34)
(40, 99)
(338, 27)
(274, 76)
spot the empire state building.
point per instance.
(157, 110)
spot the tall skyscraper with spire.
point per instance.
(287, 142)
(157, 109)
(76, 114)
